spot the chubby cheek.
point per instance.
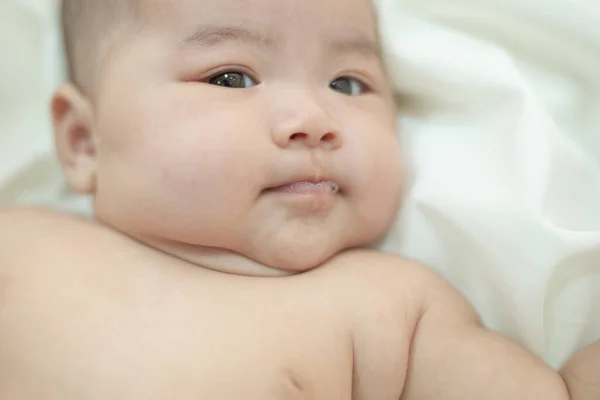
(378, 169)
(176, 163)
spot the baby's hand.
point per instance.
(582, 373)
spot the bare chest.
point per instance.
(96, 338)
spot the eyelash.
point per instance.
(231, 70)
(367, 87)
(365, 83)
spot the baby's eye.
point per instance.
(348, 86)
(234, 80)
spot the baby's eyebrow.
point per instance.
(350, 42)
(211, 35)
(355, 43)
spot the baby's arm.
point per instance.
(582, 373)
(453, 357)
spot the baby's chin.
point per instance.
(296, 260)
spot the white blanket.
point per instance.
(499, 111)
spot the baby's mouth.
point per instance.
(305, 188)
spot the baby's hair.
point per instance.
(89, 28)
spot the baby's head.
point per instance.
(259, 132)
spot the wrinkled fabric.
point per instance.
(498, 110)
(499, 114)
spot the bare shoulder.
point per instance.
(389, 274)
(37, 236)
(390, 296)
(19, 218)
(25, 227)
(373, 264)
(395, 273)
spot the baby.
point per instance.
(240, 154)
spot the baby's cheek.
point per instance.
(215, 175)
(380, 184)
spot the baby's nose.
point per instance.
(309, 126)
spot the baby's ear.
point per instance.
(74, 135)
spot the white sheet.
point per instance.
(499, 113)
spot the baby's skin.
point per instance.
(88, 313)
(241, 155)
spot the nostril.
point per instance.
(299, 136)
(328, 138)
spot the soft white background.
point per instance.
(499, 110)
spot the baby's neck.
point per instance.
(215, 259)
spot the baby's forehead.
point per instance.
(326, 15)
(92, 26)
(343, 26)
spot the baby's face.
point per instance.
(261, 127)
